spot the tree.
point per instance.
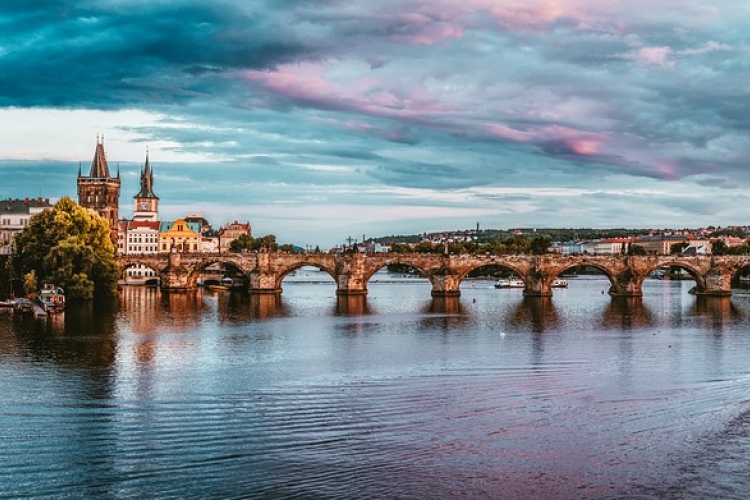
(246, 243)
(540, 244)
(719, 247)
(637, 250)
(71, 247)
(678, 247)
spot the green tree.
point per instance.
(676, 248)
(247, 243)
(540, 244)
(242, 243)
(424, 247)
(400, 248)
(517, 244)
(719, 247)
(636, 250)
(71, 247)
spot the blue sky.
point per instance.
(319, 120)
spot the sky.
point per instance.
(322, 120)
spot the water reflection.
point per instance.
(536, 313)
(83, 336)
(445, 305)
(717, 310)
(352, 305)
(626, 313)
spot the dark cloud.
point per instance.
(105, 55)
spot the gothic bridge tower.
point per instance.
(100, 191)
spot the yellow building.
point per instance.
(179, 236)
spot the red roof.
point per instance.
(151, 224)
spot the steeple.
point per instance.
(147, 181)
(99, 167)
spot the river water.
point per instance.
(217, 395)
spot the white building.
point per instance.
(15, 215)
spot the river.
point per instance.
(396, 396)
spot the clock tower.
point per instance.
(146, 202)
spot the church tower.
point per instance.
(146, 202)
(99, 191)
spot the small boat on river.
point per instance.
(511, 282)
(51, 298)
(559, 283)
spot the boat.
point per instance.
(24, 305)
(51, 298)
(511, 282)
(7, 303)
(559, 283)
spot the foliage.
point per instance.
(743, 249)
(541, 244)
(400, 248)
(637, 250)
(6, 277)
(247, 243)
(719, 247)
(678, 247)
(71, 247)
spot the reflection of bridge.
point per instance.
(351, 272)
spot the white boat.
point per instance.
(51, 298)
(511, 282)
(559, 283)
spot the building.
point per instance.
(140, 236)
(180, 236)
(611, 246)
(15, 215)
(230, 232)
(100, 192)
(662, 243)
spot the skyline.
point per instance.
(317, 121)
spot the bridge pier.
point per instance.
(263, 283)
(445, 285)
(175, 277)
(537, 285)
(351, 284)
(716, 284)
(626, 284)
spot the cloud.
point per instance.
(431, 96)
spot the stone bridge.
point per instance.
(713, 275)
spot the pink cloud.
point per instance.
(307, 84)
(651, 56)
(578, 142)
(434, 35)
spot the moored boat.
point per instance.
(511, 282)
(559, 283)
(52, 298)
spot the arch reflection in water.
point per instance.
(536, 313)
(626, 313)
(716, 310)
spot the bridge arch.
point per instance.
(696, 273)
(198, 269)
(615, 273)
(284, 271)
(515, 269)
(137, 261)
